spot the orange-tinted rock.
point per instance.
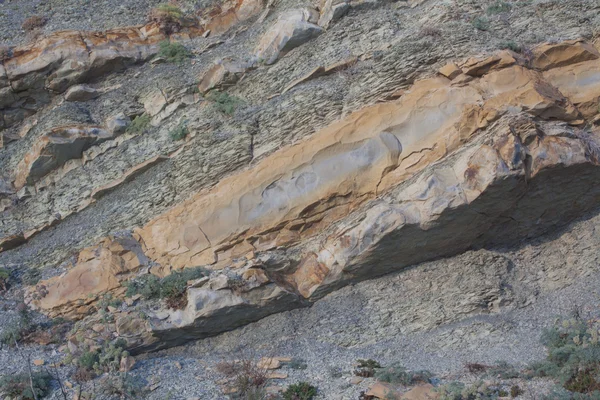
(554, 55)
(99, 270)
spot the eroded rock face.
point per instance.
(499, 153)
(291, 30)
(56, 148)
(37, 71)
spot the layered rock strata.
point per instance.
(493, 150)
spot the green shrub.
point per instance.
(573, 356)
(88, 359)
(169, 18)
(481, 24)
(224, 102)
(4, 276)
(300, 391)
(15, 331)
(503, 370)
(19, 386)
(397, 374)
(498, 7)
(179, 132)
(123, 385)
(479, 390)
(510, 45)
(139, 124)
(173, 52)
(172, 287)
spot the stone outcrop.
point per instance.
(33, 73)
(56, 148)
(498, 153)
(291, 30)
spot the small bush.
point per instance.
(249, 380)
(430, 31)
(34, 22)
(481, 24)
(169, 18)
(503, 370)
(224, 102)
(573, 356)
(17, 330)
(397, 374)
(476, 368)
(179, 132)
(173, 52)
(139, 124)
(96, 362)
(300, 391)
(124, 386)
(172, 287)
(19, 386)
(5, 53)
(498, 7)
(4, 277)
(366, 368)
(478, 390)
(510, 45)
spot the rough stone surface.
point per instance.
(352, 140)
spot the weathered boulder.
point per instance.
(291, 29)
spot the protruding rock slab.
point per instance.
(54, 149)
(292, 29)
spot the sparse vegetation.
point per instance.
(224, 102)
(19, 386)
(366, 368)
(481, 24)
(5, 53)
(107, 358)
(139, 124)
(171, 288)
(248, 379)
(180, 131)
(173, 52)
(430, 31)
(300, 391)
(34, 22)
(169, 17)
(503, 370)
(573, 356)
(4, 276)
(510, 45)
(14, 332)
(124, 386)
(479, 390)
(498, 7)
(398, 374)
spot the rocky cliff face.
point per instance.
(324, 144)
